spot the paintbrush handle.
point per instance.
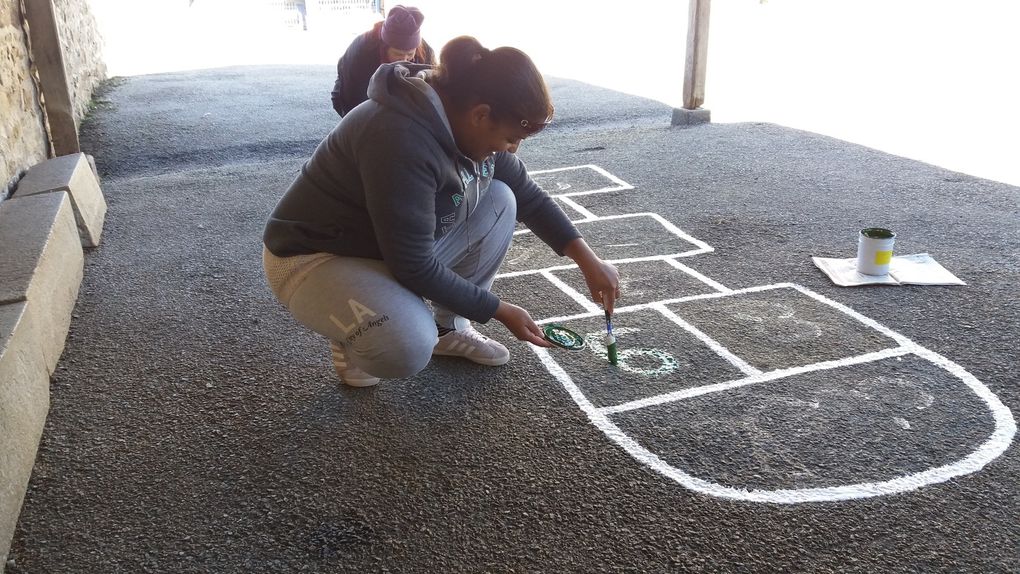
(610, 339)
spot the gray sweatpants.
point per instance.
(386, 329)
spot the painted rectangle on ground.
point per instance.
(536, 294)
(655, 356)
(781, 328)
(579, 180)
(644, 282)
(620, 238)
(848, 425)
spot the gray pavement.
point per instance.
(786, 425)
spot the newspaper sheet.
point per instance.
(917, 269)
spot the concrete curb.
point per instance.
(41, 268)
(76, 175)
(685, 118)
(24, 402)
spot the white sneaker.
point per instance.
(349, 374)
(472, 345)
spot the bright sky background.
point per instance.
(932, 80)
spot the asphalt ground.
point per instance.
(760, 418)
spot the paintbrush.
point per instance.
(610, 339)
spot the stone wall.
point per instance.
(23, 137)
(23, 140)
(83, 52)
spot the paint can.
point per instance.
(874, 250)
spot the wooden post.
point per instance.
(49, 61)
(692, 114)
(697, 54)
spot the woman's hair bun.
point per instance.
(505, 79)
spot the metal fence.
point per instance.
(328, 6)
(300, 12)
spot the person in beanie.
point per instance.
(388, 240)
(395, 39)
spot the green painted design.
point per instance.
(562, 337)
(647, 362)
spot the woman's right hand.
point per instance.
(520, 323)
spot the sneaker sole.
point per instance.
(486, 362)
(361, 384)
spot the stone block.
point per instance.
(24, 403)
(74, 174)
(686, 118)
(41, 263)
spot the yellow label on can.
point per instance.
(883, 257)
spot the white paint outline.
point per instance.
(586, 215)
(620, 184)
(707, 281)
(716, 346)
(995, 445)
(753, 379)
(638, 306)
(591, 309)
(574, 294)
(700, 247)
(998, 441)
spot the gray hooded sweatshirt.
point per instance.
(389, 181)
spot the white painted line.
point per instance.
(720, 350)
(710, 282)
(574, 294)
(650, 305)
(760, 377)
(676, 230)
(557, 371)
(690, 253)
(587, 192)
(534, 271)
(700, 246)
(848, 311)
(755, 289)
(627, 308)
(994, 446)
(588, 216)
(706, 248)
(620, 184)
(558, 169)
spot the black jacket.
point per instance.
(362, 58)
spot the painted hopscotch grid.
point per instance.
(899, 346)
(529, 255)
(566, 182)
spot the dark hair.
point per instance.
(505, 79)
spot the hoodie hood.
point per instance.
(401, 88)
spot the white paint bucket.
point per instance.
(874, 251)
